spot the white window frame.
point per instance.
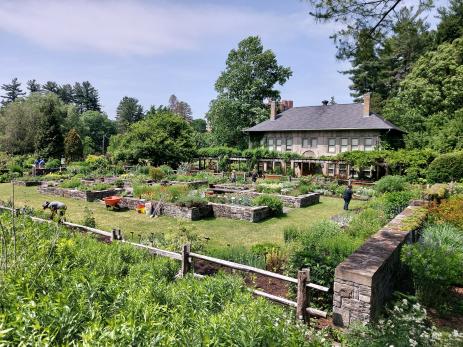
(278, 145)
(270, 144)
(331, 147)
(313, 142)
(354, 144)
(305, 143)
(289, 144)
(331, 169)
(344, 144)
(369, 147)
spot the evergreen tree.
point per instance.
(73, 147)
(65, 93)
(128, 112)
(86, 97)
(12, 91)
(249, 78)
(49, 138)
(451, 22)
(33, 86)
(51, 87)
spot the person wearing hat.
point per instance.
(55, 207)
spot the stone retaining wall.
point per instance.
(78, 194)
(191, 213)
(249, 213)
(288, 200)
(131, 203)
(27, 183)
(366, 279)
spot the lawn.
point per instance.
(220, 231)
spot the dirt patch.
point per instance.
(452, 321)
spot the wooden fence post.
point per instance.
(185, 259)
(303, 277)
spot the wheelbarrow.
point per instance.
(112, 202)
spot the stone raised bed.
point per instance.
(79, 194)
(250, 213)
(288, 200)
(27, 183)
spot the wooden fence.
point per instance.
(186, 257)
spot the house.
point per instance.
(325, 130)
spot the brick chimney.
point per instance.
(273, 110)
(285, 105)
(366, 104)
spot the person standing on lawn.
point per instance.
(347, 196)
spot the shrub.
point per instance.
(391, 184)
(72, 183)
(450, 211)
(396, 202)
(191, 201)
(15, 168)
(437, 192)
(89, 218)
(366, 223)
(156, 173)
(273, 202)
(446, 168)
(321, 248)
(239, 254)
(405, 324)
(98, 186)
(167, 170)
(436, 263)
(291, 233)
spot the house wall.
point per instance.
(322, 141)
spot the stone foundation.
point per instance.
(250, 213)
(366, 279)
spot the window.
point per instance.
(354, 143)
(313, 142)
(344, 143)
(289, 145)
(343, 170)
(331, 145)
(270, 144)
(368, 144)
(331, 168)
(305, 143)
(278, 145)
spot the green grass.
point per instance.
(221, 231)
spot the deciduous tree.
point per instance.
(73, 147)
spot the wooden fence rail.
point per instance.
(186, 257)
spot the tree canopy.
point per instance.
(248, 79)
(165, 138)
(12, 91)
(128, 112)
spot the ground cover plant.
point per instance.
(67, 288)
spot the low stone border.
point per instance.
(79, 194)
(250, 213)
(27, 183)
(366, 279)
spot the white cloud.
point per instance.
(142, 28)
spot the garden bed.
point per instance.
(28, 183)
(250, 213)
(89, 195)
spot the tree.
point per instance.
(451, 22)
(128, 112)
(249, 78)
(163, 139)
(180, 107)
(33, 86)
(51, 87)
(199, 125)
(66, 93)
(96, 126)
(356, 16)
(153, 110)
(429, 105)
(86, 97)
(12, 91)
(73, 147)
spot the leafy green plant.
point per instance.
(391, 184)
(72, 183)
(446, 168)
(191, 201)
(273, 202)
(52, 163)
(89, 218)
(450, 211)
(239, 254)
(166, 169)
(396, 202)
(156, 173)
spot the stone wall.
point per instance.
(78, 194)
(191, 213)
(366, 279)
(131, 203)
(27, 183)
(249, 213)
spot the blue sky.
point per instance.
(152, 49)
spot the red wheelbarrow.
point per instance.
(112, 202)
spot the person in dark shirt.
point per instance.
(347, 196)
(254, 176)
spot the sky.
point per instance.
(150, 49)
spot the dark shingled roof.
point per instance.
(324, 117)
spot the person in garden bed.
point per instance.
(347, 196)
(55, 207)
